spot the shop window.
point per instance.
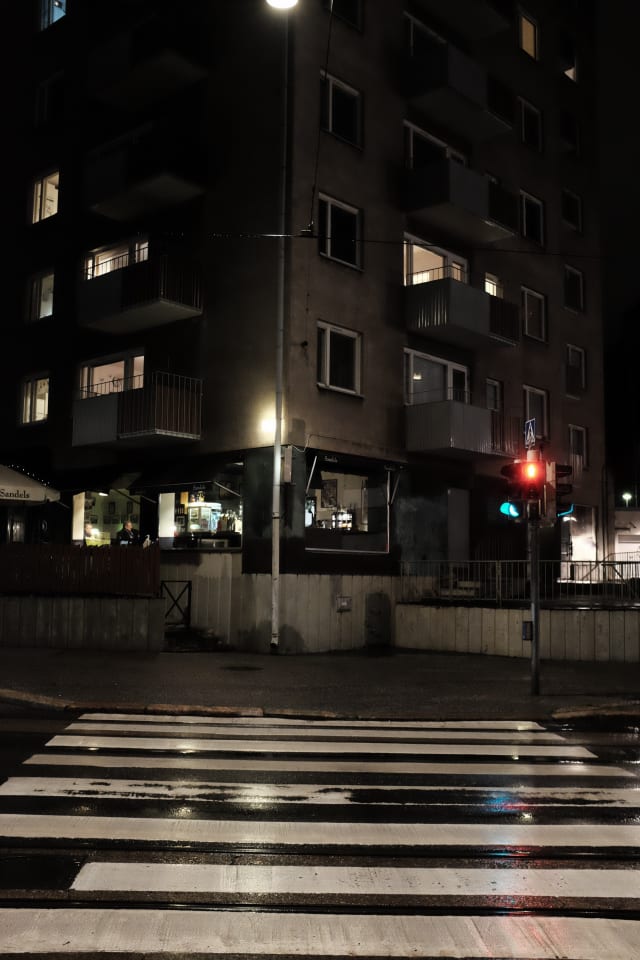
(51, 11)
(534, 314)
(339, 358)
(34, 399)
(45, 197)
(107, 259)
(530, 125)
(535, 408)
(531, 217)
(572, 210)
(430, 379)
(340, 232)
(348, 10)
(424, 263)
(346, 510)
(208, 515)
(529, 39)
(40, 300)
(114, 375)
(341, 110)
(573, 288)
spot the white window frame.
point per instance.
(131, 251)
(451, 368)
(324, 358)
(529, 391)
(527, 105)
(576, 430)
(325, 242)
(529, 198)
(130, 380)
(498, 386)
(454, 267)
(42, 190)
(579, 274)
(35, 299)
(493, 285)
(523, 17)
(574, 196)
(412, 130)
(526, 293)
(329, 84)
(51, 11)
(28, 399)
(582, 366)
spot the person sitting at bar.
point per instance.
(128, 534)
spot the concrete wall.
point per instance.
(88, 623)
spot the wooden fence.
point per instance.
(65, 570)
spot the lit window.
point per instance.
(111, 376)
(339, 232)
(341, 111)
(339, 358)
(51, 11)
(430, 379)
(493, 285)
(45, 197)
(108, 259)
(35, 399)
(424, 263)
(576, 369)
(534, 314)
(535, 408)
(529, 36)
(573, 289)
(532, 218)
(530, 125)
(572, 210)
(40, 296)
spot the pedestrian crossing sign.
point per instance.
(530, 433)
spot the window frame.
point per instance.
(39, 197)
(568, 269)
(47, 10)
(530, 198)
(136, 250)
(582, 366)
(454, 267)
(451, 368)
(325, 231)
(529, 391)
(323, 365)
(523, 17)
(28, 398)
(329, 83)
(87, 387)
(494, 281)
(525, 293)
(566, 193)
(524, 106)
(34, 296)
(574, 429)
(499, 388)
(448, 152)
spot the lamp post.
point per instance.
(280, 312)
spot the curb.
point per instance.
(56, 703)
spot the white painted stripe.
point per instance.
(316, 731)
(231, 791)
(188, 745)
(512, 769)
(362, 881)
(311, 833)
(295, 722)
(225, 932)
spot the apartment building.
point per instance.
(436, 286)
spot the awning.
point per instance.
(18, 488)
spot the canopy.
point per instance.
(18, 488)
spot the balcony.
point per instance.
(131, 297)
(451, 89)
(143, 173)
(157, 408)
(447, 196)
(475, 18)
(453, 428)
(449, 310)
(146, 64)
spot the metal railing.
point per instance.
(507, 583)
(167, 404)
(448, 272)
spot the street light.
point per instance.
(626, 497)
(280, 310)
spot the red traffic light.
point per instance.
(532, 470)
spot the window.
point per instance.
(422, 148)
(573, 288)
(51, 11)
(571, 210)
(424, 263)
(493, 285)
(570, 132)
(339, 232)
(534, 320)
(578, 444)
(535, 408)
(49, 102)
(529, 36)
(338, 358)
(341, 110)
(568, 57)
(40, 302)
(45, 197)
(345, 510)
(530, 125)
(532, 217)
(431, 380)
(108, 259)
(419, 40)
(493, 391)
(576, 369)
(34, 399)
(348, 10)
(111, 375)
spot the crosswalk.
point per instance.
(249, 836)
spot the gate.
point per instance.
(178, 611)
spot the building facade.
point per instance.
(404, 190)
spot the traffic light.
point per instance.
(533, 479)
(512, 506)
(526, 479)
(564, 489)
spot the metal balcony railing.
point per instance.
(448, 272)
(166, 404)
(504, 319)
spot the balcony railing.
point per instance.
(448, 272)
(448, 422)
(504, 319)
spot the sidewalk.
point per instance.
(389, 684)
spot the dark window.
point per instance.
(339, 232)
(348, 10)
(530, 125)
(572, 209)
(338, 358)
(573, 289)
(341, 110)
(569, 132)
(532, 218)
(534, 322)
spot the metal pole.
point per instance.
(279, 372)
(534, 560)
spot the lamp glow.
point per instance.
(282, 4)
(626, 497)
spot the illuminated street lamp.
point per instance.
(282, 4)
(626, 497)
